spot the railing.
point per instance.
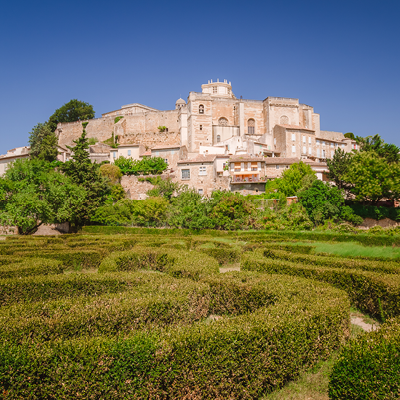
(245, 180)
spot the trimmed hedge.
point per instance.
(368, 367)
(33, 266)
(237, 356)
(374, 293)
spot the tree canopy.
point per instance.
(74, 110)
(146, 166)
(43, 143)
(86, 174)
(32, 193)
(338, 166)
(292, 179)
(389, 152)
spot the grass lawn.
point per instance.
(351, 249)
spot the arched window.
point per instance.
(223, 122)
(218, 138)
(251, 126)
(201, 109)
(285, 120)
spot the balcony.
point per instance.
(240, 179)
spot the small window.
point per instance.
(277, 167)
(202, 170)
(219, 139)
(166, 160)
(309, 151)
(317, 152)
(201, 192)
(201, 127)
(309, 140)
(304, 150)
(293, 148)
(129, 152)
(223, 122)
(251, 126)
(215, 89)
(186, 174)
(201, 109)
(304, 139)
(114, 154)
(293, 137)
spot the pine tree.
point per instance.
(43, 143)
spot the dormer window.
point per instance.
(201, 109)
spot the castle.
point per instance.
(214, 136)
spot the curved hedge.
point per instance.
(369, 367)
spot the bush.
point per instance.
(369, 366)
(146, 166)
(376, 212)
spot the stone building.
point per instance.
(208, 137)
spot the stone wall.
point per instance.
(150, 140)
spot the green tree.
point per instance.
(43, 143)
(338, 167)
(373, 178)
(32, 194)
(111, 172)
(389, 152)
(163, 188)
(324, 201)
(350, 135)
(86, 174)
(292, 179)
(146, 166)
(74, 110)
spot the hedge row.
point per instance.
(237, 356)
(369, 367)
(33, 266)
(193, 265)
(374, 293)
(387, 267)
(42, 288)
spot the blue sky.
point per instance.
(341, 57)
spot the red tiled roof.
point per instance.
(166, 147)
(147, 153)
(200, 158)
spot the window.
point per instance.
(317, 142)
(186, 174)
(304, 139)
(317, 152)
(309, 151)
(129, 152)
(304, 150)
(201, 109)
(202, 170)
(277, 167)
(251, 126)
(215, 89)
(218, 138)
(201, 127)
(201, 192)
(114, 154)
(223, 122)
(293, 148)
(323, 153)
(343, 145)
(275, 141)
(309, 140)
(331, 144)
(166, 160)
(293, 137)
(284, 120)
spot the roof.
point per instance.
(201, 158)
(281, 160)
(147, 153)
(180, 101)
(296, 127)
(5, 156)
(129, 145)
(166, 147)
(245, 157)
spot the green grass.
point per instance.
(351, 249)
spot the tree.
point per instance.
(389, 152)
(292, 179)
(43, 143)
(372, 177)
(112, 172)
(86, 174)
(324, 201)
(338, 167)
(146, 166)
(350, 135)
(74, 110)
(163, 188)
(32, 193)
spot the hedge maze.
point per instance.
(144, 315)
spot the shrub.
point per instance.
(112, 172)
(368, 367)
(116, 119)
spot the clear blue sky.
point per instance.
(341, 57)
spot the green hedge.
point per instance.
(374, 293)
(41, 288)
(33, 266)
(369, 367)
(242, 355)
(376, 212)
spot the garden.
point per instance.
(137, 313)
